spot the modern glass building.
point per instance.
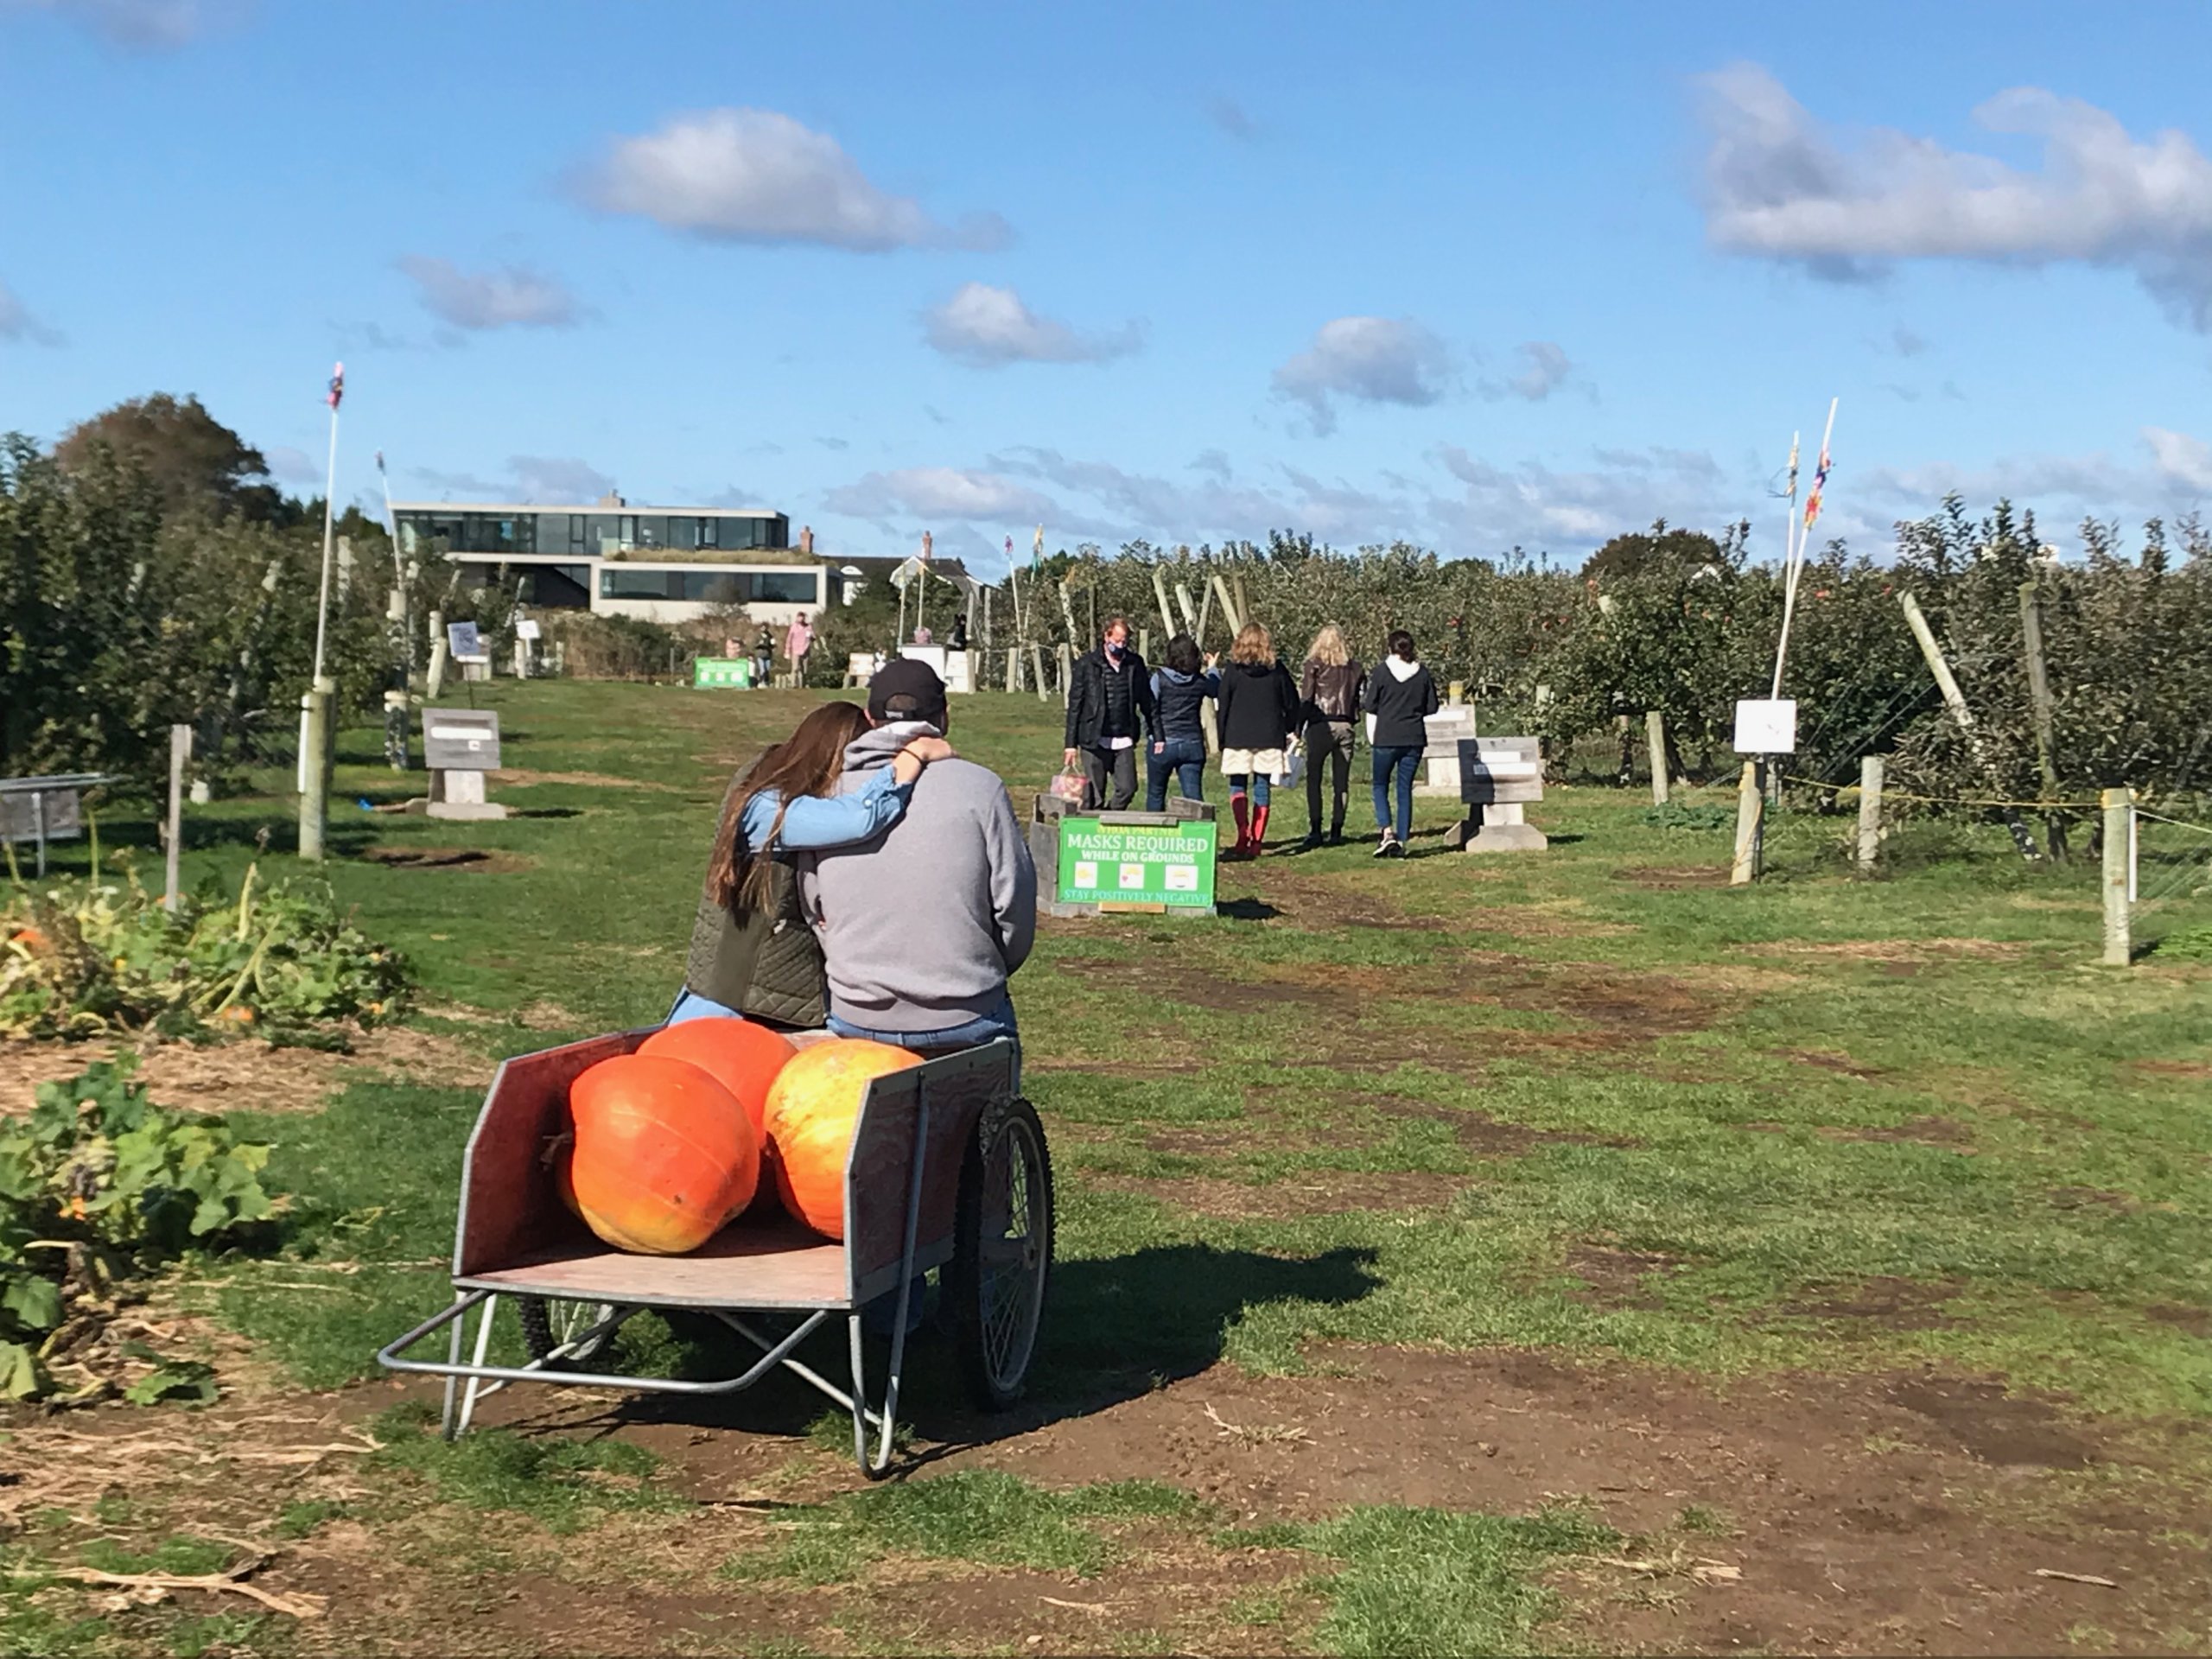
(666, 564)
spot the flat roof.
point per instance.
(630, 508)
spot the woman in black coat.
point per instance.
(1260, 710)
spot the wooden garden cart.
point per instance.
(948, 1169)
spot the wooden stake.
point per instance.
(1957, 701)
(1189, 611)
(1160, 593)
(1037, 660)
(2039, 695)
(1230, 613)
(1751, 805)
(180, 751)
(1870, 811)
(2119, 838)
(1654, 737)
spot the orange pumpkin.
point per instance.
(813, 1108)
(740, 1056)
(664, 1155)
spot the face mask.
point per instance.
(1115, 648)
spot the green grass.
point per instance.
(979, 1516)
(564, 1484)
(1415, 1580)
(1775, 1098)
(1562, 995)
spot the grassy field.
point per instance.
(1457, 1255)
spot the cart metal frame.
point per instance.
(516, 1239)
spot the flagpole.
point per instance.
(314, 707)
(1789, 562)
(329, 491)
(1804, 536)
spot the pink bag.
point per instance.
(1072, 787)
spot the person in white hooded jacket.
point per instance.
(1400, 696)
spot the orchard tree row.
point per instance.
(1683, 622)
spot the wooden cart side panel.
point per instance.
(880, 1169)
(509, 1209)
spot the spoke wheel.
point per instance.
(547, 1324)
(1002, 1252)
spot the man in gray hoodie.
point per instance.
(921, 927)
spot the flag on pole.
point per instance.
(1037, 549)
(380, 462)
(1813, 495)
(337, 387)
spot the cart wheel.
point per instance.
(546, 1324)
(1002, 1252)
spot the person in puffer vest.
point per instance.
(1181, 689)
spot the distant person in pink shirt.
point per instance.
(798, 641)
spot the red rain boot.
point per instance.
(1259, 829)
(1240, 807)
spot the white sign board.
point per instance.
(1766, 726)
(466, 643)
(527, 628)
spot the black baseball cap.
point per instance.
(906, 690)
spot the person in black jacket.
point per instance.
(1110, 708)
(1400, 694)
(1260, 711)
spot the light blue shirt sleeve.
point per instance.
(815, 822)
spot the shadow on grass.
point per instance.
(1247, 910)
(1116, 1328)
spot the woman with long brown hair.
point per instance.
(1259, 714)
(753, 954)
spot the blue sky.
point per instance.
(1476, 275)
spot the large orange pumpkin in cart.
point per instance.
(664, 1157)
(814, 1106)
(744, 1057)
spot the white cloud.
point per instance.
(1778, 184)
(490, 299)
(756, 175)
(991, 327)
(16, 322)
(293, 466)
(1374, 359)
(1531, 505)
(2180, 458)
(142, 25)
(546, 478)
(1125, 505)
(1544, 370)
(952, 493)
(554, 479)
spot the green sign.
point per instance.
(706, 671)
(1137, 863)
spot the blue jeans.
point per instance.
(1401, 758)
(1183, 756)
(689, 1005)
(997, 1022)
(1261, 784)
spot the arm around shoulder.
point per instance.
(1013, 882)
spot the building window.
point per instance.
(713, 587)
(635, 582)
(788, 586)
